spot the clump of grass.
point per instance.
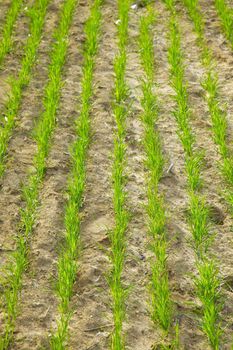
(225, 13)
(161, 299)
(198, 212)
(6, 37)
(67, 264)
(30, 190)
(37, 15)
(117, 235)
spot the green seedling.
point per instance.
(208, 291)
(198, 212)
(67, 263)
(6, 41)
(117, 235)
(37, 15)
(225, 13)
(43, 133)
(210, 84)
(161, 306)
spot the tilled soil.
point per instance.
(91, 322)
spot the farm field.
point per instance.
(116, 174)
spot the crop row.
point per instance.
(6, 37)
(207, 281)
(117, 234)
(37, 14)
(210, 83)
(217, 112)
(67, 263)
(161, 299)
(225, 13)
(30, 192)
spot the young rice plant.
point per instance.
(207, 282)
(30, 193)
(117, 235)
(6, 37)
(217, 112)
(67, 264)
(37, 14)
(225, 13)
(161, 299)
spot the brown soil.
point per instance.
(91, 323)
